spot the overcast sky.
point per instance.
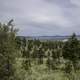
(42, 17)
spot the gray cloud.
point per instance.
(42, 17)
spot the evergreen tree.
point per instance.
(40, 56)
(7, 51)
(71, 49)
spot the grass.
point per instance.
(40, 72)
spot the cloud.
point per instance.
(75, 2)
(42, 17)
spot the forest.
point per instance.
(22, 59)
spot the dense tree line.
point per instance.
(53, 51)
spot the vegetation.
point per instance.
(22, 59)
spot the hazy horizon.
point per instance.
(42, 17)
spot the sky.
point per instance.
(42, 17)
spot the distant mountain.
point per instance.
(47, 37)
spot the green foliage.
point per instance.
(22, 59)
(71, 49)
(69, 67)
(7, 51)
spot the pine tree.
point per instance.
(71, 49)
(7, 51)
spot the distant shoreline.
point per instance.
(47, 37)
